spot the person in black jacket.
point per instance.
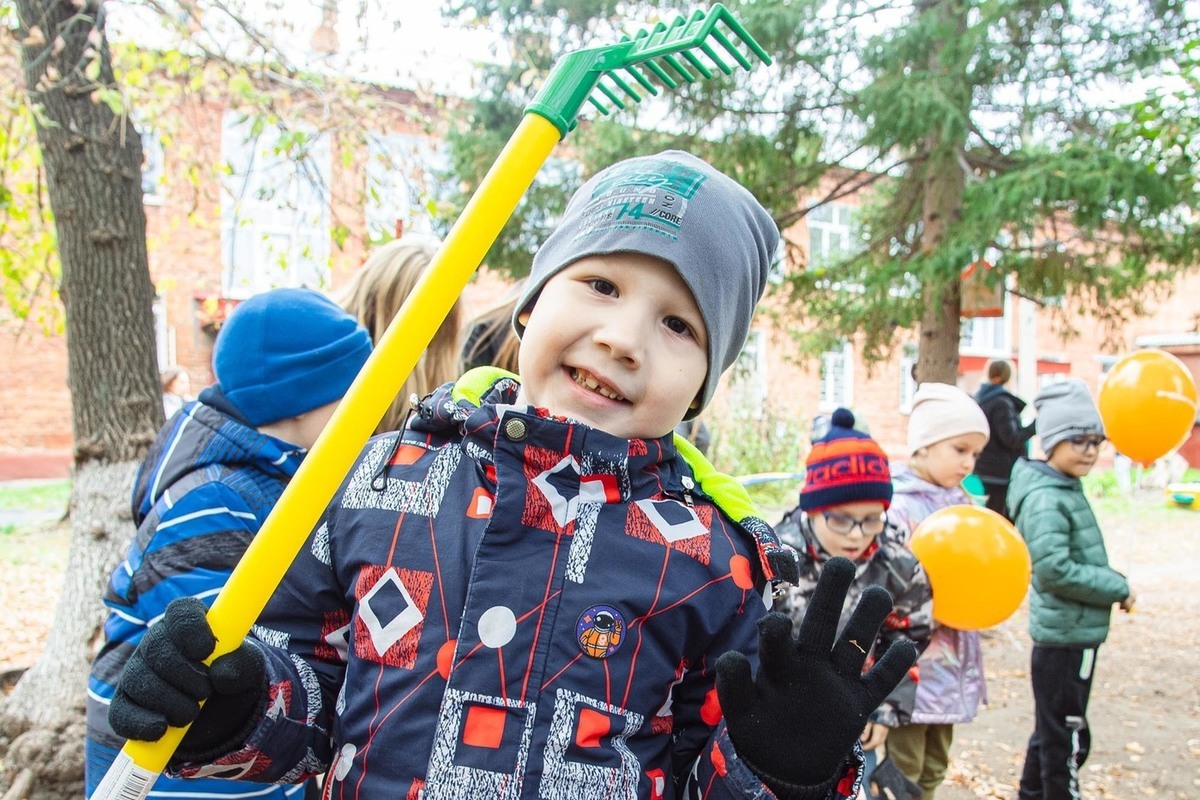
(1009, 438)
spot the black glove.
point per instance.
(165, 680)
(889, 783)
(796, 722)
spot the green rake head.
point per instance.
(612, 76)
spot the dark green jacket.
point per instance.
(1073, 587)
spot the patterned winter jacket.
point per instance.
(952, 684)
(201, 494)
(1073, 587)
(886, 563)
(501, 604)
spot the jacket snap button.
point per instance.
(515, 429)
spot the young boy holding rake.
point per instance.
(535, 590)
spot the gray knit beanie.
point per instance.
(1066, 409)
(678, 208)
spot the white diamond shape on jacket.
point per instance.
(388, 616)
(339, 640)
(686, 528)
(562, 508)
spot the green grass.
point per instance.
(24, 500)
(35, 496)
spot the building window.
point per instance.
(830, 233)
(778, 271)
(986, 335)
(164, 335)
(403, 186)
(748, 377)
(275, 210)
(1045, 379)
(153, 170)
(908, 381)
(837, 378)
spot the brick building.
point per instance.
(211, 245)
(215, 241)
(1024, 333)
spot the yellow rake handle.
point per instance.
(679, 47)
(272, 550)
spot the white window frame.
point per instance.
(839, 362)
(275, 213)
(749, 375)
(153, 168)
(402, 184)
(1045, 379)
(164, 335)
(778, 271)
(990, 337)
(830, 232)
(985, 336)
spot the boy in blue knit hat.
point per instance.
(283, 360)
(842, 512)
(535, 590)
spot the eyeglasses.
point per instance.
(1081, 444)
(844, 524)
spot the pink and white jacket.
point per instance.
(951, 684)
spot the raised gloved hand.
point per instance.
(889, 783)
(795, 723)
(165, 680)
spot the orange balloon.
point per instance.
(1148, 404)
(977, 563)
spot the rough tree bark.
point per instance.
(943, 184)
(92, 158)
(937, 354)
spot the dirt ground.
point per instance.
(1145, 708)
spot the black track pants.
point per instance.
(1062, 683)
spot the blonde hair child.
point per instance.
(375, 294)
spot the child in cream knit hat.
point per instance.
(941, 412)
(946, 432)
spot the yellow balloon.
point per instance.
(1148, 404)
(977, 563)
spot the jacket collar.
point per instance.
(202, 437)
(474, 408)
(990, 391)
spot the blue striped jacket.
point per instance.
(200, 495)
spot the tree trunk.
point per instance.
(942, 183)
(42, 721)
(92, 159)
(937, 354)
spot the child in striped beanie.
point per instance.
(847, 490)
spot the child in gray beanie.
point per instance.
(536, 589)
(1066, 409)
(1074, 588)
(676, 208)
